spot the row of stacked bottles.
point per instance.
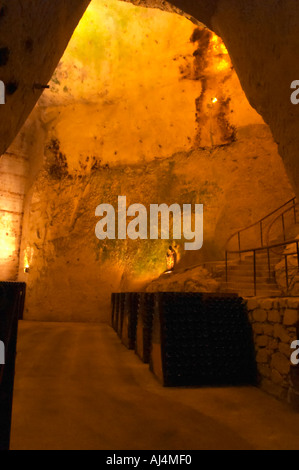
(189, 339)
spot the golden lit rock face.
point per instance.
(151, 73)
(147, 105)
(72, 273)
(125, 65)
(13, 177)
(262, 39)
(9, 242)
(264, 61)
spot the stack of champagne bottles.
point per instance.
(132, 319)
(145, 315)
(189, 339)
(12, 296)
(205, 340)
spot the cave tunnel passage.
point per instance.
(143, 104)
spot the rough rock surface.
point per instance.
(154, 136)
(202, 10)
(262, 41)
(69, 267)
(269, 28)
(13, 178)
(34, 35)
(190, 280)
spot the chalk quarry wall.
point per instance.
(136, 119)
(262, 40)
(89, 123)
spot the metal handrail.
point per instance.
(260, 223)
(282, 217)
(268, 249)
(263, 248)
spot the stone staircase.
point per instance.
(241, 276)
(241, 267)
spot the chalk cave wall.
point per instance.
(27, 59)
(129, 112)
(14, 167)
(33, 36)
(263, 42)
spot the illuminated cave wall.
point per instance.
(13, 175)
(130, 112)
(262, 39)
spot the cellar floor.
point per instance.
(77, 387)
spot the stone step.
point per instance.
(266, 285)
(249, 274)
(236, 288)
(263, 257)
(249, 267)
(273, 258)
(263, 267)
(249, 280)
(251, 293)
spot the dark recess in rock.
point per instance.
(3, 11)
(29, 44)
(11, 88)
(197, 35)
(4, 56)
(57, 162)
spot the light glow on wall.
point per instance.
(26, 264)
(217, 45)
(7, 238)
(222, 59)
(28, 256)
(223, 65)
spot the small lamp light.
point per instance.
(26, 262)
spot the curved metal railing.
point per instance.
(268, 249)
(261, 224)
(282, 219)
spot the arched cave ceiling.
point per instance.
(261, 38)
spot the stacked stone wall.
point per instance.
(275, 324)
